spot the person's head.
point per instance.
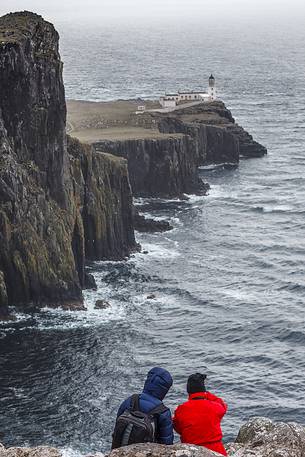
(158, 382)
(195, 383)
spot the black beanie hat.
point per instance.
(195, 383)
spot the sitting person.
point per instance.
(144, 418)
(197, 421)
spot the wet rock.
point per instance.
(144, 224)
(101, 304)
(260, 437)
(41, 451)
(159, 450)
(150, 297)
(90, 282)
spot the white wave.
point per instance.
(195, 198)
(156, 250)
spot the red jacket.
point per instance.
(198, 421)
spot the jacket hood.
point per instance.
(158, 383)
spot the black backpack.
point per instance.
(134, 426)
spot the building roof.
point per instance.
(191, 92)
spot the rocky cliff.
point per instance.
(259, 437)
(219, 139)
(159, 167)
(166, 165)
(103, 194)
(53, 210)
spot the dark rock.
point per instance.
(213, 144)
(150, 297)
(144, 252)
(90, 282)
(144, 224)
(102, 189)
(162, 167)
(73, 307)
(55, 208)
(101, 304)
(217, 137)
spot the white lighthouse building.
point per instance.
(187, 96)
(212, 88)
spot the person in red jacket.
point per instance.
(197, 421)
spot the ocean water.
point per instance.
(229, 280)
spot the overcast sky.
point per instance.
(161, 9)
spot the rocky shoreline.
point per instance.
(64, 202)
(166, 165)
(259, 437)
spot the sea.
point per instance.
(228, 281)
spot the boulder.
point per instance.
(101, 304)
(260, 437)
(159, 450)
(149, 225)
(41, 451)
(90, 282)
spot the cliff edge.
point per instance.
(163, 149)
(259, 437)
(54, 210)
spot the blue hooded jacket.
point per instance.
(157, 384)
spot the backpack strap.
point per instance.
(135, 403)
(158, 410)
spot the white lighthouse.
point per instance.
(212, 88)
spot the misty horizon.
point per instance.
(169, 11)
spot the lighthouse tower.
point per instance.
(212, 88)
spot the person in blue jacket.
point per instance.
(157, 384)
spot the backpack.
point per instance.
(134, 426)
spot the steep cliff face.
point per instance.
(32, 97)
(102, 189)
(162, 167)
(218, 137)
(51, 210)
(36, 259)
(213, 144)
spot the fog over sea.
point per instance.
(229, 279)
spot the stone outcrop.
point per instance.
(42, 451)
(103, 194)
(212, 144)
(146, 224)
(57, 204)
(159, 167)
(261, 437)
(159, 450)
(219, 139)
(167, 165)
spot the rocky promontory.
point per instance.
(163, 149)
(59, 204)
(259, 437)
